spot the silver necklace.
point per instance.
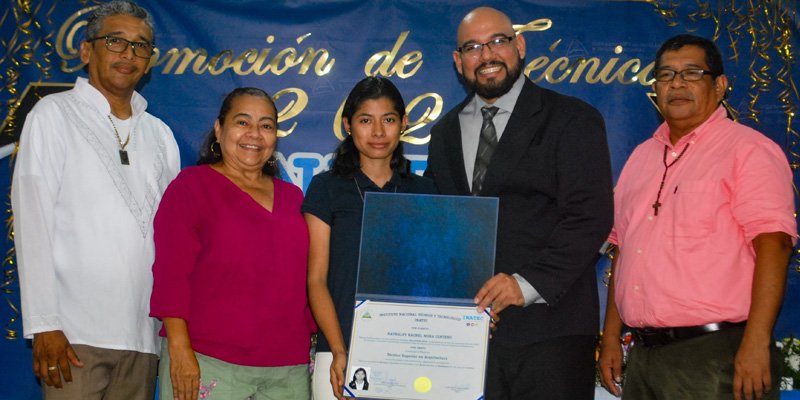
(360, 194)
(123, 154)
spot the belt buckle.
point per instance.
(710, 328)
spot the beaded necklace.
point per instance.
(657, 204)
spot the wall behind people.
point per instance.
(309, 53)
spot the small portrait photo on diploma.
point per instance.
(360, 379)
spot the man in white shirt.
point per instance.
(91, 169)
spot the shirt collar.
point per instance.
(98, 101)
(662, 133)
(364, 183)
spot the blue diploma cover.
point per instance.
(416, 332)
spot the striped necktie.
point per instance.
(486, 145)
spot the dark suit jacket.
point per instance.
(552, 173)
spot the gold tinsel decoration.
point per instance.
(29, 47)
(10, 269)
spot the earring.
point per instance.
(271, 162)
(213, 151)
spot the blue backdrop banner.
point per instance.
(309, 54)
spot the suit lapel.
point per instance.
(455, 152)
(522, 128)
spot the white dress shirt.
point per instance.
(83, 222)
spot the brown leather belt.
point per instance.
(649, 337)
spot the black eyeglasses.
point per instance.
(119, 45)
(688, 75)
(474, 49)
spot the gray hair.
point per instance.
(116, 7)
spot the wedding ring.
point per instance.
(51, 368)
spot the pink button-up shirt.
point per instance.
(693, 263)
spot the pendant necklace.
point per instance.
(657, 204)
(123, 154)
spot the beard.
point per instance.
(494, 89)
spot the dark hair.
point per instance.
(346, 159)
(713, 57)
(210, 152)
(116, 7)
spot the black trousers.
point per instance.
(700, 368)
(561, 368)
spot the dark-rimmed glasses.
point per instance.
(119, 45)
(688, 75)
(474, 49)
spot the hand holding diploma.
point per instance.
(501, 291)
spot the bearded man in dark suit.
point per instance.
(545, 156)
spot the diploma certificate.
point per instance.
(417, 351)
(416, 334)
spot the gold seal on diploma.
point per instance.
(422, 384)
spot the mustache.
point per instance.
(123, 63)
(680, 97)
(683, 96)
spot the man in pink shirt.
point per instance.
(704, 226)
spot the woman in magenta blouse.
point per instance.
(230, 266)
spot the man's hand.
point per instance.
(610, 365)
(51, 353)
(493, 320)
(501, 291)
(751, 378)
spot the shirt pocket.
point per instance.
(695, 204)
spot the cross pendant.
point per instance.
(123, 157)
(656, 205)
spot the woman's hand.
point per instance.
(337, 374)
(184, 372)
